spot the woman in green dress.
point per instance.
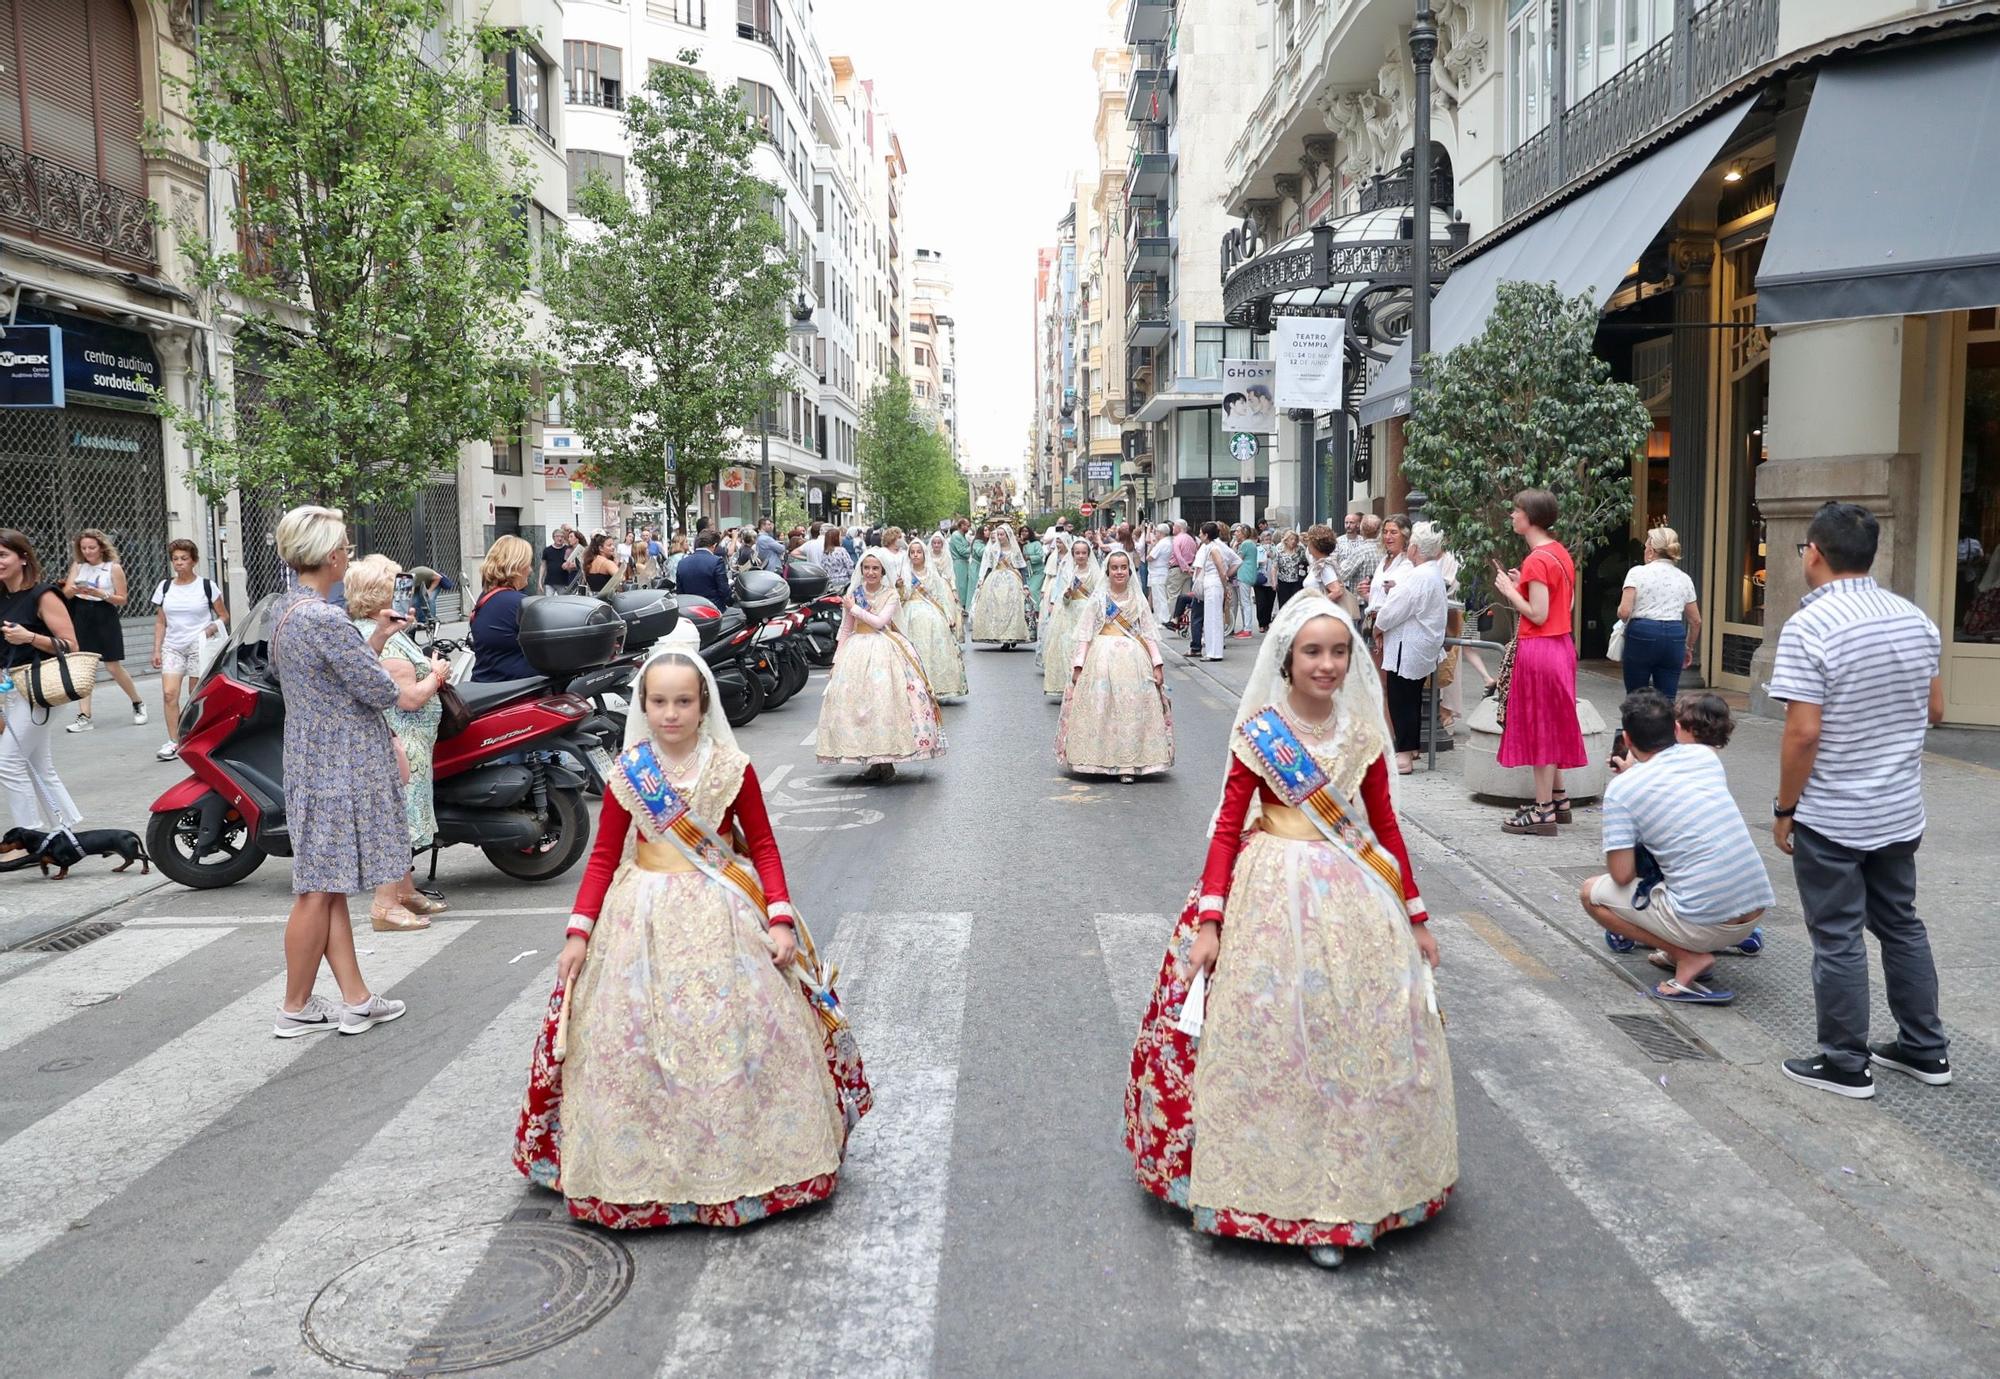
(1037, 554)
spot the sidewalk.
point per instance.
(1773, 1014)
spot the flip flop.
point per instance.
(1666, 964)
(1691, 994)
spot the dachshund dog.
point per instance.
(64, 850)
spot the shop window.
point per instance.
(1743, 589)
(1976, 605)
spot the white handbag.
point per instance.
(1615, 648)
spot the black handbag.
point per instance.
(456, 717)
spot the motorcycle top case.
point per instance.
(700, 612)
(649, 615)
(562, 636)
(762, 595)
(807, 580)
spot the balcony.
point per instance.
(60, 205)
(1146, 320)
(1147, 21)
(1149, 245)
(1151, 173)
(1725, 40)
(1152, 86)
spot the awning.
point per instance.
(1886, 211)
(1586, 245)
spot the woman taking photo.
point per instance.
(1541, 730)
(413, 718)
(343, 792)
(496, 618)
(34, 624)
(1318, 1110)
(190, 619)
(1115, 720)
(95, 588)
(1662, 620)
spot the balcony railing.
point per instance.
(1712, 46)
(1146, 320)
(52, 202)
(1146, 20)
(593, 94)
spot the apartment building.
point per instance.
(1043, 477)
(1800, 333)
(933, 337)
(1102, 383)
(879, 171)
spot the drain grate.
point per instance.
(1660, 1040)
(70, 937)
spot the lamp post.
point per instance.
(1423, 50)
(801, 327)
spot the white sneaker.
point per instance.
(316, 1016)
(168, 751)
(138, 715)
(376, 1010)
(82, 724)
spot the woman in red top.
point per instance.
(1541, 730)
(689, 1077)
(1320, 1113)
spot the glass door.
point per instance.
(1733, 601)
(1970, 612)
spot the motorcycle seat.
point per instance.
(485, 696)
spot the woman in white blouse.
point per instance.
(1661, 618)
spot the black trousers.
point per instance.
(1267, 601)
(1406, 712)
(1288, 589)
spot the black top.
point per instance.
(496, 639)
(597, 582)
(24, 608)
(553, 574)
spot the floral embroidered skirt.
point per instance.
(998, 610)
(927, 630)
(877, 706)
(1320, 1109)
(1115, 720)
(700, 1086)
(1058, 644)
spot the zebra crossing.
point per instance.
(854, 1287)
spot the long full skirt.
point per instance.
(943, 659)
(1058, 644)
(1115, 720)
(878, 706)
(700, 1086)
(999, 614)
(1541, 727)
(1320, 1110)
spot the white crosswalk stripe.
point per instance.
(92, 1147)
(867, 1305)
(169, 921)
(463, 1119)
(106, 969)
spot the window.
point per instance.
(1607, 35)
(585, 163)
(544, 232)
(1976, 600)
(923, 357)
(693, 13)
(528, 80)
(760, 103)
(1213, 344)
(1530, 59)
(593, 74)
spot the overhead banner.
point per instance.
(1309, 359)
(1247, 398)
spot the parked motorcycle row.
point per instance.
(513, 783)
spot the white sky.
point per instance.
(994, 105)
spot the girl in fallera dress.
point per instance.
(999, 609)
(1319, 1112)
(1115, 719)
(925, 621)
(695, 1067)
(878, 708)
(942, 571)
(1076, 580)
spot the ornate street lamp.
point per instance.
(1423, 50)
(801, 327)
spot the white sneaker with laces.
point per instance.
(316, 1016)
(168, 751)
(138, 715)
(376, 1010)
(82, 724)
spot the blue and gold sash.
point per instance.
(1303, 783)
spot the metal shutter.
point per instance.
(121, 119)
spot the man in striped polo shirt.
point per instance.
(1858, 669)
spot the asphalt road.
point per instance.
(186, 1196)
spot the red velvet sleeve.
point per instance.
(1381, 809)
(613, 823)
(762, 845)
(1227, 840)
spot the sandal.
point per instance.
(1538, 820)
(395, 920)
(1666, 964)
(1561, 803)
(1689, 993)
(421, 904)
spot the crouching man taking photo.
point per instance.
(1707, 887)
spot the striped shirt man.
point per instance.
(1867, 658)
(1676, 804)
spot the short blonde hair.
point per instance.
(508, 561)
(1665, 541)
(308, 536)
(370, 584)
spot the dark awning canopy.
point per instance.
(1891, 207)
(1588, 244)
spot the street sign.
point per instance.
(843, 503)
(1243, 446)
(1222, 488)
(1087, 509)
(1099, 470)
(31, 366)
(671, 458)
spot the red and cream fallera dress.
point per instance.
(699, 1086)
(1319, 1110)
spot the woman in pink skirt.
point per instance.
(1541, 729)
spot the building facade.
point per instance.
(933, 337)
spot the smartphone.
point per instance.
(405, 596)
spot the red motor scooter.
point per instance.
(502, 785)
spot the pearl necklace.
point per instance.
(1307, 726)
(680, 768)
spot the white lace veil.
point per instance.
(995, 553)
(1138, 610)
(681, 644)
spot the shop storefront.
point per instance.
(1210, 482)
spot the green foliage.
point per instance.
(671, 315)
(1525, 405)
(789, 511)
(906, 466)
(1072, 515)
(379, 245)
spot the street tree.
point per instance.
(379, 253)
(1525, 404)
(670, 315)
(906, 466)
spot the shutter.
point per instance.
(114, 51)
(10, 83)
(55, 68)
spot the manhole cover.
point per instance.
(482, 1295)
